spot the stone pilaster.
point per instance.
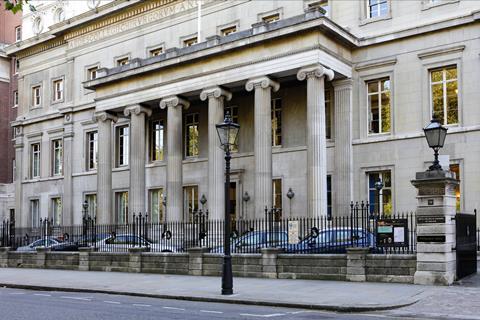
(174, 107)
(357, 264)
(137, 152)
(21, 217)
(316, 138)
(67, 201)
(263, 141)
(343, 178)
(104, 168)
(436, 260)
(216, 191)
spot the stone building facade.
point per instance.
(10, 32)
(118, 106)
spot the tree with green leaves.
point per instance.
(17, 5)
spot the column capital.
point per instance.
(104, 116)
(343, 84)
(136, 109)
(263, 82)
(215, 92)
(316, 71)
(174, 101)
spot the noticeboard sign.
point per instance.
(392, 233)
(293, 232)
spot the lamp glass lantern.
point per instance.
(435, 134)
(227, 133)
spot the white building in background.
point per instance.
(118, 104)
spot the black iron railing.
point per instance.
(293, 234)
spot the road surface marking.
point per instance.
(42, 294)
(141, 305)
(173, 308)
(262, 315)
(76, 298)
(112, 302)
(16, 293)
(209, 311)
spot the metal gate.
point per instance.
(466, 244)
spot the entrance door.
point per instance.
(466, 247)
(233, 205)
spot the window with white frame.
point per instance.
(455, 168)
(190, 196)
(379, 107)
(35, 213)
(377, 8)
(92, 150)
(35, 160)
(92, 73)
(16, 65)
(444, 94)
(277, 198)
(192, 138)
(91, 200)
(233, 112)
(36, 96)
(123, 61)
(155, 52)
(58, 90)
(57, 211)
(228, 30)
(18, 33)
(121, 199)
(271, 18)
(156, 140)
(156, 198)
(328, 114)
(276, 122)
(190, 42)
(382, 199)
(57, 157)
(122, 145)
(15, 98)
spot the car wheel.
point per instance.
(167, 251)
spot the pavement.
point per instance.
(306, 294)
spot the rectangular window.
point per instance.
(277, 193)
(57, 211)
(321, 4)
(271, 18)
(190, 42)
(121, 199)
(190, 196)
(35, 160)
(379, 109)
(15, 98)
(233, 112)
(377, 8)
(155, 52)
(329, 196)
(92, 73)
(91, 200)
(92, 150)
(18, 33)
(444, 94)
(57, 157)
(36, 96)
(192, 137)
(35, 213)
(383, 199)
(228, 30)
(16, 65)
(156, 198)
(456, 169)
(122, 146)
(122, 61)
(328, 114)
(156, 140)
(276, 122)
(58, 90)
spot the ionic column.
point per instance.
(174, 107)
(216, 193)
(263, 141)
(138, 140)
(343, 178)
(104, 169)
(316, 138)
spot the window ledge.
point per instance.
(119, 169)
(375, 19)
(35, 180)
(194, 160)
(85, 173)
(35, 108)
(426, 5)
(154, 164)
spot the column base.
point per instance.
(434, 278)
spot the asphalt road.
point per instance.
(39, 305)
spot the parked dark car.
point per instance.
(332, 240)
(54, 244)
(253, 241)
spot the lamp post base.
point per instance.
(227, 277)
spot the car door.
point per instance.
(250, 243)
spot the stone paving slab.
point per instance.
(314, 294)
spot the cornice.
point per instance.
(440, 51)
(375, 64)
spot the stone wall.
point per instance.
(271, 263)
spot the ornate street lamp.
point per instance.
(378, 186)
(435, 134)
(290, 195)
(227, 132)
(85, 209)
